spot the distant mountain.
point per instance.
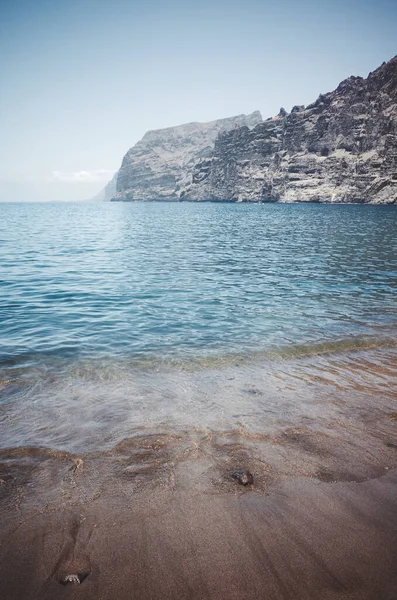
(108, 191)
(160, 165)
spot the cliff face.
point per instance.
(161, 164)
(342, 148)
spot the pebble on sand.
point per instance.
(243, 477)
(70, 579)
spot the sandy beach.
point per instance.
(159, 516)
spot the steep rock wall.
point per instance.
(160, 165)
(341, 148)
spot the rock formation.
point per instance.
(160, 165)
(341, 148)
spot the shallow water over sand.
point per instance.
(88, 406)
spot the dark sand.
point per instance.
(160, 517)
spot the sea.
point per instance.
(123, 318)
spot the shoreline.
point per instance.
(125, 483)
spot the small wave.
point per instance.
(346, 345)
(43, 365)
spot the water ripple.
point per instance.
(125, 279)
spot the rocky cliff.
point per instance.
(160, 165)
(341, 148)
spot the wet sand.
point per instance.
(159, 516)
(125, 482)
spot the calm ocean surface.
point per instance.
(95, 292)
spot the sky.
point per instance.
(81, 81)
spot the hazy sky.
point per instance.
(82, 80)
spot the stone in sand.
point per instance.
(243, 477)
(70, 579)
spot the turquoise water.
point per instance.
(116, 316)
(142, 280)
